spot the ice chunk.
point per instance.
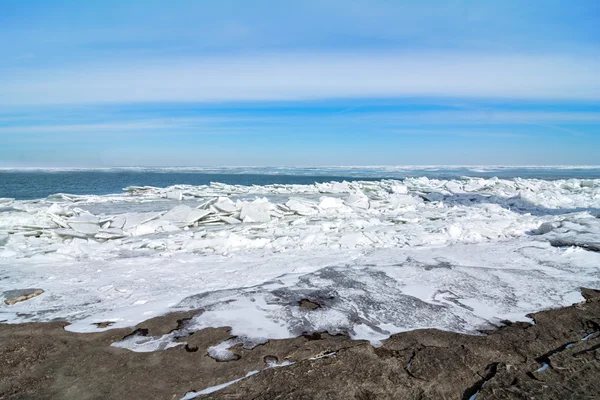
(454, 231)
(110, 233)
(118, 222)
(134, 219)
(358, 200)
(582, 232)
(331, 202)
(302, 207)
(229, 220)
(225, 205)
(86, 228)
(212, 389)
(352, 240)
(143, 344)
(70, 233)
(546, 227)
(221, 352)
(151, 227)
(178, 214)
(174, 195)
(257, 211)
(399, 188)
(56, 209)
(84, 218)
(195, 215)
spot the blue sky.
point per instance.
(199, 83)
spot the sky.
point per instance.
(299, 83)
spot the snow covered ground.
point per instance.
(376, 258)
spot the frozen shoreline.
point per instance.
(554, 358)
(457, 254)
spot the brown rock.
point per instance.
(548, 360)
(309, 305)
(15, 296)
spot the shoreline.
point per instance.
(557, 357)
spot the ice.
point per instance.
(174, 195)
(229, 220)
(573, 230)
(326, 355)
(225, 205)
(358, 200)
(145, 344)
(71, 233)
(543, 367)
(177, 214)
(257, 211)
(88, 229)
(132, 220)
(301, 207)
(220, 352)
(195, 215)
(378, 257)
(331, 202)
(211, 389)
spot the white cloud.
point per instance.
(311, 76)
(475, 115)
(122, 126)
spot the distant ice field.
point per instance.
(373, 257)
(34, 183)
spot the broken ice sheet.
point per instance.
(379, 257)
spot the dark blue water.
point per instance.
(35, 184)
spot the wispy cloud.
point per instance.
(311, 76)
(451, 132)
(538, 118)
(441, 122)
(147, 125)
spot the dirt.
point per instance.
(546, 360)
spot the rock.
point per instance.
(16, 296)
(309, 305)
(104, 324)
(46, 361)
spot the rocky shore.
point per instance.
(558, 357)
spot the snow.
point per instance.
(380, 257)
(220, 352)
